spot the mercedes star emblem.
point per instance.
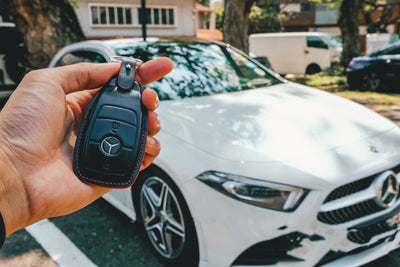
(387, 189)
(110, 146)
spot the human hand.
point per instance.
(38, 129)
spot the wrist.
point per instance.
(14, 204)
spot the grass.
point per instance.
(333, 76)
(373, 98)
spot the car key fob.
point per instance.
(110, 144)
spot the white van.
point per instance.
(297, 52)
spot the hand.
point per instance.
(38, 128)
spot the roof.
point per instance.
(201, 8)
(287, 34)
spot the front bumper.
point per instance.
(248, 235)
(353, 77)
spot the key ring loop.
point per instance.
(125, 80)
(137, 61)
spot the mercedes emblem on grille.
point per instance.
(387, 189)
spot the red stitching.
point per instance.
(112, 183)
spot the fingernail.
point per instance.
(158, 122)
(157, 102)
(150, 140)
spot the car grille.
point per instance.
(362, 235)
(352, 201)
(349, 213)
(350, 188)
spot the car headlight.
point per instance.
(256, 192)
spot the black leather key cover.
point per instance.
(110, 144)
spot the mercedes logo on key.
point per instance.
(110, 146)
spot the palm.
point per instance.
(44, 130)
(39, 124)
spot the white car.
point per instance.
(255, 170)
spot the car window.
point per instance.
(80, 56)
(316, 42)
(11, 38)
(394, 51)
(201, 69)
(332, 41)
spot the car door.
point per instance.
(390, 62)
(317, 52)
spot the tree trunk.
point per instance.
(236, 23)
(46, 25)
(349, 27)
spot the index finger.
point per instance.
(153, 70)
(82, 76)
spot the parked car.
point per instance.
(297, 52)
(11, 52)
(256, 170)
(376, 70)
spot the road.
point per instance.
(106, 236)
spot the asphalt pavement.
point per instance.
(106, 236)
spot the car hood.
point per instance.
(278, 123)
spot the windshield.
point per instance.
(332, 41)
(201, 69)
(391, 50)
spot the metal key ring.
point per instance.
(137, 61)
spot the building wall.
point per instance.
(184, 17)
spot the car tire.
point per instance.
(312, 69)
(165, 218)
(371, 81)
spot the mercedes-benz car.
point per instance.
(256, 170)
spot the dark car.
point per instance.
(11, 52)
(375, 71)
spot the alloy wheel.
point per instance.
(162, 217)
(371, 81)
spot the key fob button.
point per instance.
(125, 131)
(119, 163)
(112, 165)
(118, 113)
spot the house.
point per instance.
(101, 19)
(323, 17)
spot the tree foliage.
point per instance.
(265, 17)
(219, 17)
(389, 14)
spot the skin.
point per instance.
(38, 128)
